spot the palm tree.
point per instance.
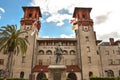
(11, 43)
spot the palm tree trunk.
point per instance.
(9, 64)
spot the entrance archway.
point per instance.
(40, 76)
(21, 74)
(72, 76)
(90, 74)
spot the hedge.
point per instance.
(15, 79)
(44, 79)
(100, 78)
(104, 78)
(1, 79)
(68, 79)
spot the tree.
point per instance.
(11, 43)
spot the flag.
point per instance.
(35, 23)
(33, 33)
(34, 26)
(75, 27)
(74, 20)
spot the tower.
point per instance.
(86, 43)
(30, 18)
(30, 23)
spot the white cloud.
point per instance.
(2, 10)
(106, 37)
(58, 18)
(67, 36)
(45, 36)
(99, 8)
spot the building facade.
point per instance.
(83, 56)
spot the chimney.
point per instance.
(111, 41)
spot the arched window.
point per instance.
(72, 52)
(49, 52)
(90, 74)
(41, 52)
(65, 52)
(109, 73)
(72, 76)
(40, 76)
(21, 74)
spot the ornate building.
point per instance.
(83, 56)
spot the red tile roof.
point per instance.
(39, 68)
(75, 68)
(44, 68)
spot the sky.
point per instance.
(56, 16)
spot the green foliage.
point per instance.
(68, 79)
(1, 79)
(118, 78)
(44, 79)
(15, 79)
(11, 40)
(102, 78)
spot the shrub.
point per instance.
(44, 79)
(68, 79)
(118, 78)
(102, 78)
(15, 79)
(1, 79)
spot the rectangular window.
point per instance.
(107, 52)
(98, 52)
(89, 59)
(110, 61)
(40, 62)
(1, 61)
(87, 38)
(113, 51)
(88, 49)
(117, 61)
(118, 52)
(23, 59)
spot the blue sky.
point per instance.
(56, 15)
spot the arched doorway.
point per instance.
(21, 74)
(90, 74)
(72, 76)
(40, 76)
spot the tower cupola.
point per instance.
(83, 16)
(31, 17)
